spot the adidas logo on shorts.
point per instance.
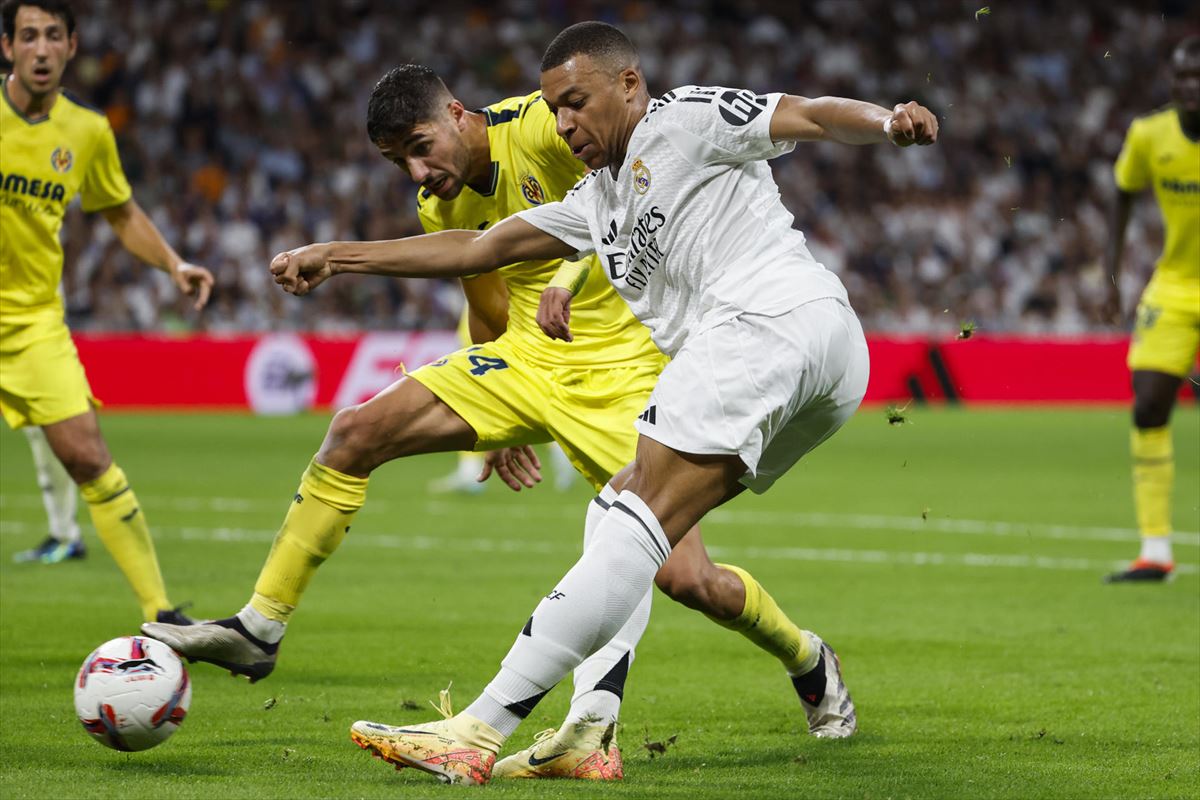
(648, 415)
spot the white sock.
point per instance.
(60, 497)
(564, 470)
(600, 679)
(1157, 549)
(262, 626)
(596, 511)
(587, 608)
(469, 465)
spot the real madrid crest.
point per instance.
(641, 177)
(532, 190)
(61, 159)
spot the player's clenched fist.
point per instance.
(911, 123)
(301, 270)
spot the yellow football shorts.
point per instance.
(41, 378)
(1166, 338)
(511, 401)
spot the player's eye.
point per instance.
(576, 104)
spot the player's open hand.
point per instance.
(192, 279)
(912, 123)
(516, 466)
(554, 313)
(301, 270)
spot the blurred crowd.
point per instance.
(241, 125)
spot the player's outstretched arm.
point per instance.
(140, 236)
(445, 254)
(840, 119)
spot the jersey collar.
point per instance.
(27, 120)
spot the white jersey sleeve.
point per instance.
(565, 220)
(717, 125)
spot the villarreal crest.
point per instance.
(61, 159)
(532, 190)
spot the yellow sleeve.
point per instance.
(1132, 170)
(542, 134)
(105, 184)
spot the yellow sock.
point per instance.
(315, 525)
(1153, 479)
(122, 528)
(763, 623)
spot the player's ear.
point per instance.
(73, 46)
(631, 82)
(458, 113)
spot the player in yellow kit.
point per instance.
(477, 168)
(1162, 150)
(52, 148)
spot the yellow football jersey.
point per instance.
(44, 163)
(1156, 152)
(531, 165)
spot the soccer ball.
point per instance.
(132, 693)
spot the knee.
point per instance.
(1151, 411)
(687, 587)
(85, 460)
(350, 442)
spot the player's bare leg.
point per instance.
(404, 419)
(1153, 475)
(114, 509)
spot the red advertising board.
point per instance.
(284, 373)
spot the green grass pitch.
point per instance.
(955, 563)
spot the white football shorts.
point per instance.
(765, 388)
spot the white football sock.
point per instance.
(564, 470)
(596, 511)
(600, 679)
(60, 497)
(261, 626)
(1157, 549)
(583, 613)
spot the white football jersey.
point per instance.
(692, 231)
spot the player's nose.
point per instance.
(417, 170)
(564, 123)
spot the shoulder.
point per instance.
(586, 185)
(82, 118)
(79, 103)
(511, 108)
(1153, 122)
(672, 102)
(83, 114)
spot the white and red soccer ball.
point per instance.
(132, 693)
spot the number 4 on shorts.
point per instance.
(482, 364)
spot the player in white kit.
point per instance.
(768, 359)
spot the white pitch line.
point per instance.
(720, 516)
(478, 545)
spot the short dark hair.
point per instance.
(58, 8)
(599, 40)
(404, 98)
